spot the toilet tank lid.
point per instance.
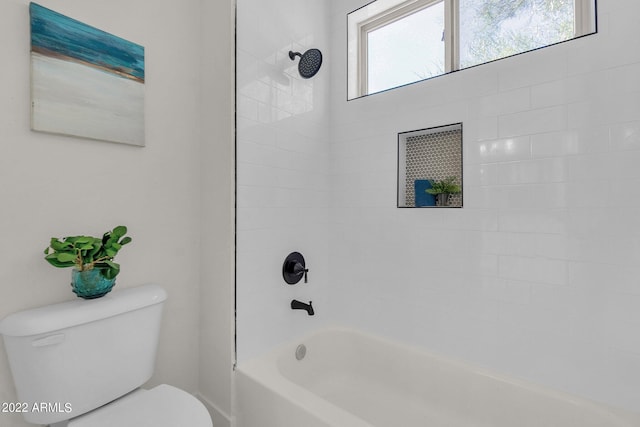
(72, 313)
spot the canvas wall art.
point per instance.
(85, 82)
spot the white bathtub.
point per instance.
(349, 379)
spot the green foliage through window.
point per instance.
(494, 29)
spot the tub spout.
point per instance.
(299, 305)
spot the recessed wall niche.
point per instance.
(430, 167)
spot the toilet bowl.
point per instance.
(86, 361)
(161, 406)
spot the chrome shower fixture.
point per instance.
(310, 62)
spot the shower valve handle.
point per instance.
(299, 270)
(294, 268)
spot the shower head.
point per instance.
(310, 62)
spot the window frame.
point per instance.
(383, 19)
(584, 20)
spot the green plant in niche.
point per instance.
(88, 252)
(445, 186)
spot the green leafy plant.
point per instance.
(87, 252)
(446, 186)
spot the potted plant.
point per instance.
(94, 271)
(443, 189)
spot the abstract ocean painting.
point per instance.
(85, 82)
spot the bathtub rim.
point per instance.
(265, 370)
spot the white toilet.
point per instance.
(81, 363)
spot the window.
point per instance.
(405, 50)
(395, 42)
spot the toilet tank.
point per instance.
(70, 358)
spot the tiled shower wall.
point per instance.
(537, 276)
(282, 169)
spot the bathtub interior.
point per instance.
(381, 383)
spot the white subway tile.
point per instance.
(471, 219)
(624, 166)
(622, 308)
(597, 275)
(537, 319)
(625, 136)
(625, 193)
(534, 171)
(501, 103)
(533, 269)
(540, 220)
(251, 130)
(481, 174)
(493, 242)
(532, 196)
(610, 108)
(586, 220)
(530, 244)
(555, 144)
(623, 79)
(542, 120)
(499, 150)
(481, 129)
(532, 68)
(549, 94)
(592, 193)
(586, 86)
(585, 168)
(247, 108)
(593, 139)
(486, 197)
(256, 90)
(508, 291)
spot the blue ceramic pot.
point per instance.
(90, 284)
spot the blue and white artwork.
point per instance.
(85, 82)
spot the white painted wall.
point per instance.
(537, 275)
(176, 204)
(283, 169)
(217, 334)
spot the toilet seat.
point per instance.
(161, 406)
